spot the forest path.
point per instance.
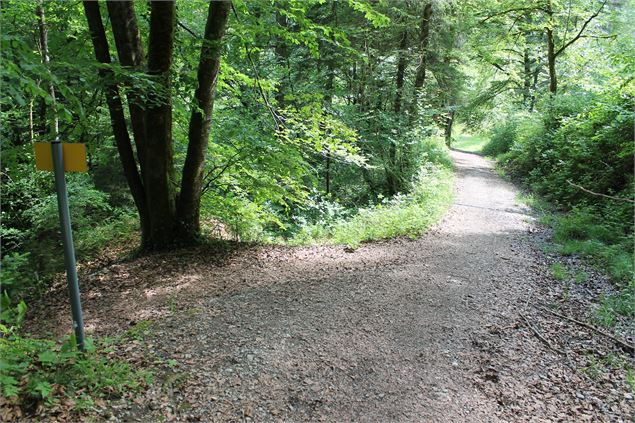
(422, 330)
(385, 333)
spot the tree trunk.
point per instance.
(534, 85)
(551, 51)
(167, 218)
(551, 61)
(31, 132)
(401, 70)
(392, 179)
(55, 129)
(198, 136)
(159, 179)
(117, 118)
(526, 77)
(448, 128)
(424, 36)
(130, 52)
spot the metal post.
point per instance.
(67, 237)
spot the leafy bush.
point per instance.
(86, 204)
(404, 215)
(592, 149)
(501, 139)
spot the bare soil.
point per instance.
(428, 330)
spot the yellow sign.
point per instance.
(74, 157)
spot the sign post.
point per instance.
(56, 152)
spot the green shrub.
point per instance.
(501, 139)
(618, 304)
(585, 232)
(87, 206)
(592, 148)
(584, 140)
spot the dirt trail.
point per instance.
(395, 331)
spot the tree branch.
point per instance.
(574, 39)
(628, 200)
(516, 9)
(618, 341)
(192, 33)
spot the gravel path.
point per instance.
(408, 331)
(380, 334)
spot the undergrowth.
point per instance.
(38, 376)
(407, 215)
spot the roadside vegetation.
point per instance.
(581, 172)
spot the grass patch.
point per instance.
(559, 271)
(403, 215)
(581, 277)
(618, 304)
(470, 143)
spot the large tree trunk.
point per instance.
(117, 118)
(167, 219)
(198, 136)
(159, 178)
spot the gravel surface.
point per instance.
(427, 330)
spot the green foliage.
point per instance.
(12, 270)
(86, 204)
(39, 371)
(402, 215)
(11, 316)
(582, 141)
(501, 139)
(551, 160)
(559, 271)
(585, 232)
(619, 304)
(581, 277)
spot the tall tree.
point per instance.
(167, 217)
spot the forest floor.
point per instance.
(445, 328)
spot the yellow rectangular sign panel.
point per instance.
(74, 157)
